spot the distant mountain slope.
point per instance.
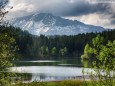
(48, 24)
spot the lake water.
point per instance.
(50, 70)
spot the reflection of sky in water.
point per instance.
(50, 73)
(53, 73)
(43, 77)
(59, 62)
(50, 70)
(40, 61)
(66, 64)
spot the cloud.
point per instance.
(57, 7)
(96, 19)
(85, 10)
(61, 7)
(19, 7)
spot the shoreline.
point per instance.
(81, 78)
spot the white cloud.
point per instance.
(94, 19)
(24, 6)
(71, 1)
(85, 10)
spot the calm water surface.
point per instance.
(50, 70)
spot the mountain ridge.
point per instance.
(48, 24)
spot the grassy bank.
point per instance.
(62, 83)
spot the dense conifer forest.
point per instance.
(52, 47)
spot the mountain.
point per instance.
(48, 24)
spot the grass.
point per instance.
(60, 83)
(56, 83)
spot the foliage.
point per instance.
(37, 47)
(3, 3)
(86, 54)
(7, 54)
(63, 51)
(7, 48)
(104, 63)
(54, 51)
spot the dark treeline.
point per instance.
(36, 47)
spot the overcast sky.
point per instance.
(95, 12)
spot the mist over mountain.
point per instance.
(48, 24)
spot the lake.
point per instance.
(50, 70)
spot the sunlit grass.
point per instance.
(62, 83)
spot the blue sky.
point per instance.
(95, 12)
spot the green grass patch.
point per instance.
(62, 83)
(55, 83)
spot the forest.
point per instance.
(52, 47)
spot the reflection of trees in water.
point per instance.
(38, 77)
(43, 77)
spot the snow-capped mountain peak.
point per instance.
(48, 24)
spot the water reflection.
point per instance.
(59, 62)
(51, 70)
(50, 73)
(41, 61)
(43, 77)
